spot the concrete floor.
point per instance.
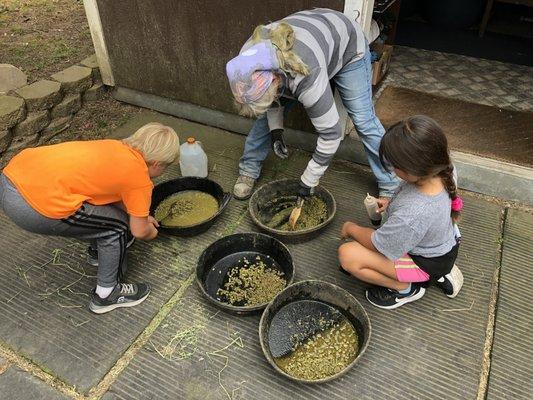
(473, 346)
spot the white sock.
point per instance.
(103, 292)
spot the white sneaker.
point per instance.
(452, 282)
(243, 187)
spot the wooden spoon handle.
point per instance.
(295, 214)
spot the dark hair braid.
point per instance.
(449, 184)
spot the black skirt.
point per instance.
(439, 266)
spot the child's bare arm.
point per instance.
(143, 228)
(358, 233)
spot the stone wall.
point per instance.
(34, 114)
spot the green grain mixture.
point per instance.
(314, 212)
(252, 284)
(186, 208)
(324, 354)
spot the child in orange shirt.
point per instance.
(97, 191)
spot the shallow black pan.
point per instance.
(222, 255)
(261, 201)
(165, 189)
(330, 295)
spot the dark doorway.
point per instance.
(493, 30)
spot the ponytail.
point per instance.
(449, 184)
(282, 37)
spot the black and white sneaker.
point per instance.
(344, 271)
(387, 298)
(451, 283)
(123, 295)
(92, 256)
(92, 253)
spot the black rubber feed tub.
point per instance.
(165, 189)
(217, 259)
(327, 293)
(261, 202)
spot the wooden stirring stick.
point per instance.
(295, 214)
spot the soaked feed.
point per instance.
(251, 284)
(324, 354)
(276, 215)
(186, 208)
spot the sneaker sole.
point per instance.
(92, 262)
(242, 198)
(419, 295)
(105, 309)
(457, 277)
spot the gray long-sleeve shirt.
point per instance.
(326, 40)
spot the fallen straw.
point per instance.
(61, 291)
(13, 297)
(67, 306)
(23, 274)
(238, 341)
(459, 309)
(77, 325)
(184, 342)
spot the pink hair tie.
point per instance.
(457, 204)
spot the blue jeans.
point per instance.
(258, 143)
(354, 85)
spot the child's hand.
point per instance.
(345, 230)
(153, 221)
(383, 203)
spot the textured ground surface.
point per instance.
(432, 348)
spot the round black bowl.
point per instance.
(285, 188)
(327, 293)
(220, 256)
(165, 189)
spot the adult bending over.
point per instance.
(295, 59)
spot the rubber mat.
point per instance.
(511, 374)
(16, 384)
(429, 349)
(471, 128)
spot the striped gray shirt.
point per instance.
(326, 41)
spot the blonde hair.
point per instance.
(282, 37)
(260, 106)
(156, 142)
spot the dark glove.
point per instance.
(278, 144)
(305, 191)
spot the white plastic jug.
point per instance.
(193, 160)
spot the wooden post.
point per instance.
(100, 48)
(361, 11)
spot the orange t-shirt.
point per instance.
(55, 180)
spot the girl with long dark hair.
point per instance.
(420, 240)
